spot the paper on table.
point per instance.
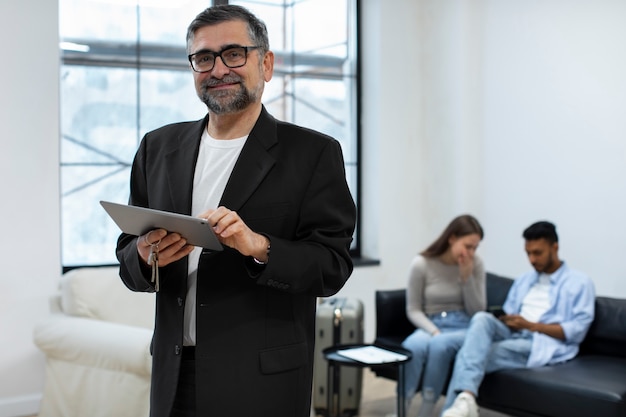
(372, 355)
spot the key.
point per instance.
(153, 261)
(151, 256)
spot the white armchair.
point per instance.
(96, 343)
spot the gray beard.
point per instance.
(221, 103)
(240, 101)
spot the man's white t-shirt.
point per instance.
(537, 301)
(216, 160)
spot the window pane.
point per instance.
(91, 19)
(167, 97)
(126, 73)
(161, 21)
(315, 82)
(99, 138)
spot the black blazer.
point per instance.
(255, 326)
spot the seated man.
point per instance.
(547, 314)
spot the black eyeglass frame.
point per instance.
(246, 49)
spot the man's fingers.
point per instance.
(174, 253)
(153, 236)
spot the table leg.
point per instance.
(330, 374)
(401, 402)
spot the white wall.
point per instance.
(553, 100)
(29, 188)
(509, 110)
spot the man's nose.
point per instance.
(219, 67)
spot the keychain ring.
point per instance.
(148, 241)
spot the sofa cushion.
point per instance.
(99, 293)
(590, 385)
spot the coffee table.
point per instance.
(336, 359)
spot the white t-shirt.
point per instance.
(537, 301)
(216, 160)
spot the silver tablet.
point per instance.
(139, 220)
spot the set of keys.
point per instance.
(153, 261)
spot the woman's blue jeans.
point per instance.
(433, 355)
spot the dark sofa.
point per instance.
(591, 385)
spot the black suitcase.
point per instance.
(338, 321)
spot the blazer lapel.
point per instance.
(253, 164)
(181, 164)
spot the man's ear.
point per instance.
(268, 66)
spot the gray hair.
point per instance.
(227, 13)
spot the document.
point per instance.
(372, 355)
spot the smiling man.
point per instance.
(234, 329)
(548, 313)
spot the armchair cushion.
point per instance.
(97, 347)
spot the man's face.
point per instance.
(543, 255)
(227, 90)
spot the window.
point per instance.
(124, 72)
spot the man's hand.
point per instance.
(172, 247)
(517, 323)
(233, 232)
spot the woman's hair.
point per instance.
(226, 13)
(460, 226)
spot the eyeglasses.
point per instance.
(232, 57)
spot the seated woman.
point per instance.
(446, 287)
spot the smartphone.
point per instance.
(496, 311)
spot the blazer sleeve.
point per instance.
(317, 260)
(132, 271)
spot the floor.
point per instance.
(378, 399)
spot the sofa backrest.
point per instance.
(99, 293)
(607, 334)
(392, 324)
(497, 289)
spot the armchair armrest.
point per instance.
(95, 343)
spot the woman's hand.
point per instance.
(466, 265)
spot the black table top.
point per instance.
(331, 354)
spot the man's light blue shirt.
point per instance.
(572, 302)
